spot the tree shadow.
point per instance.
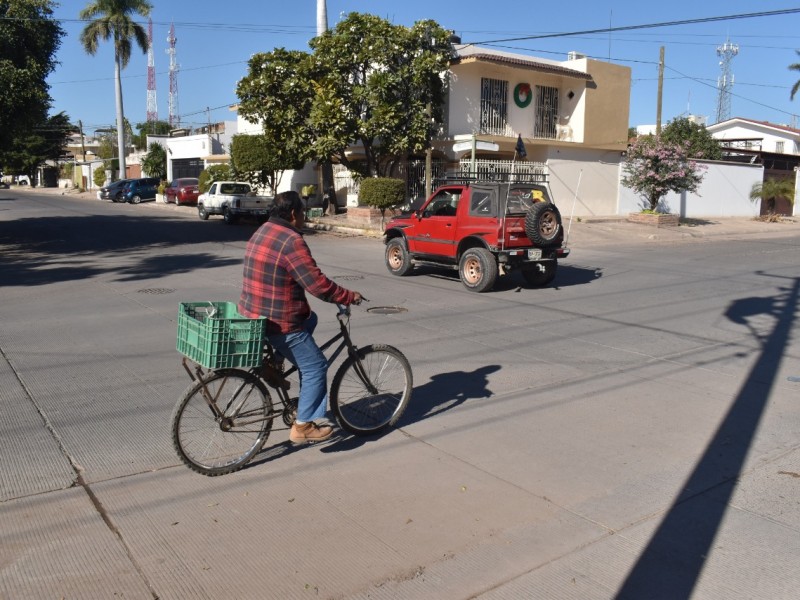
(671, 564)
(43, 250)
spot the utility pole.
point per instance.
(660, 89)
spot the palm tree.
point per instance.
(111, 19)
(772, 189)
(796, 86)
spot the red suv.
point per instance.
(482, 230)
(182, 191)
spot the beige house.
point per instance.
(572, 116)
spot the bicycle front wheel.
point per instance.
(221, 421)
(371, 390)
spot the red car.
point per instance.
(182, 191)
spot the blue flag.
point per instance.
(520, 149)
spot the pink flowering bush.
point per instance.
(654, 167)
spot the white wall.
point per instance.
(724, 192)
(770, 137)
(597, 190)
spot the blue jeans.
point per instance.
(302, 351)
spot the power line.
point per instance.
(770, 13)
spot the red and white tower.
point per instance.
(152, 106)
(174, 117)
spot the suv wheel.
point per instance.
(136, 199)
(202, 213)
(478, 269)
(543, 224)
(540, 274)
(397, 259)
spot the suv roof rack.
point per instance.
(500, 177)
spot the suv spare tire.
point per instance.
(543, 224)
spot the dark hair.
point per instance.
(285, 204)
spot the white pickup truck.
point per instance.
(232, 200)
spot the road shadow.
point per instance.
(443, 392)
(670, 565)
(44, 250)
(567, 276)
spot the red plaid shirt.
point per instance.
(278, 270)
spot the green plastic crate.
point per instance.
(216, 336)
(314, 213)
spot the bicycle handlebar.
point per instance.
(344, 309)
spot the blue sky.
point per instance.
(216, 39)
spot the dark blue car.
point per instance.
(141, 189)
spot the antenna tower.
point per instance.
(152, 107)
(174, 117)
(726, 52)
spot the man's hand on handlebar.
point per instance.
(358, 298)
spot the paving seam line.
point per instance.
(79, 480)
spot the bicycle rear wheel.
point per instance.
(216, 444)
(370, 391)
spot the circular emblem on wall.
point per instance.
(522, 94)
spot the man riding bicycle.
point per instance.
(278, 270)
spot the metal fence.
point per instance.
(503, 170)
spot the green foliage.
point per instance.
(99, 177)
(654, 167)
(162, 187)
(29, 41)
(771, 189)
(695, 138)
(46, 141)
(367, 82)
(154, 162)
(260, 160)
(796, 86)
(215, 173)
(139, 139)
(382, 192)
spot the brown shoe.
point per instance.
(309, 432)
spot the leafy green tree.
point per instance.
(770, 190)
(261, 161)
(154, 162)
(695, 138)
(367, 82)
(46, 142)
(139, 139)
(215, 173)
(654, 167)
(29, 40)
(112, 19)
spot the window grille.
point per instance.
(546, 112)
(494, 106)
(779, 147)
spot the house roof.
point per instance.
(470, 54)
(745, 122)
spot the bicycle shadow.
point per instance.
(444, 391)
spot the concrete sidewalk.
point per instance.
(583, 230)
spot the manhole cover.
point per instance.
(387, 310)
(155, 291)
(348, 277)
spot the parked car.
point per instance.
(184, 190)
(141, 189)
(4, 185)
(113, 191)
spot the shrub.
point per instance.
(382, 193)
(212, 174)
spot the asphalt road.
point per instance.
(631, 432)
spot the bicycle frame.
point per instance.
(345, 342)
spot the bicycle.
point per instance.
(226, 414)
